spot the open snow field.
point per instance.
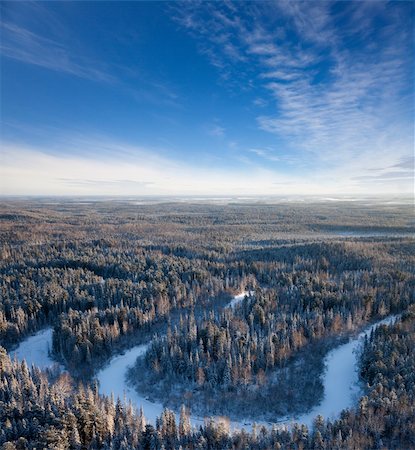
(35, 349)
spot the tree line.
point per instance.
(42, 410)
(235, 352)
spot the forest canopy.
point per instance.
(108, 275)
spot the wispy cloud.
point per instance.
(216, 130)
(340, 77)
(122, 184)
(124, 169)
(48, 43)
(388, 176)
(266, 154)
(29, 47)
(401, 172)
(90, 165)
(328, 88)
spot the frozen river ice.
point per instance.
(340, 380)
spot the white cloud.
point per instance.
(266, 154)
(60, 52)
(28, 47)
(346, 124)
(217, 131)
(127, 170)
(122, 170)
(341, 109)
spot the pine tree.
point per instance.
(184, 422)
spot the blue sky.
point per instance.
(244, 98)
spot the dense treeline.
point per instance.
(388, 368)
(267, 328)
(107, 275)
(37, 412)
(312, 282)
(32, 296)
(56, 257)
(123, 309)
(81, 337)
(232, 354)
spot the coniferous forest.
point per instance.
(107, 275)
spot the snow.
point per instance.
(35, 350)
(341, 380)
(341, 383)
(238, 298)
(112, 380)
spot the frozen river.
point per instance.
(340, 380)
(35, 350)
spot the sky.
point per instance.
(207, 98)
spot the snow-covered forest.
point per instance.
(100, 278)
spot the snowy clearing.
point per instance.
(35, 350)
(238, 298)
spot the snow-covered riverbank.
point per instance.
(35, 349)
(117, 370)
(340, 381)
